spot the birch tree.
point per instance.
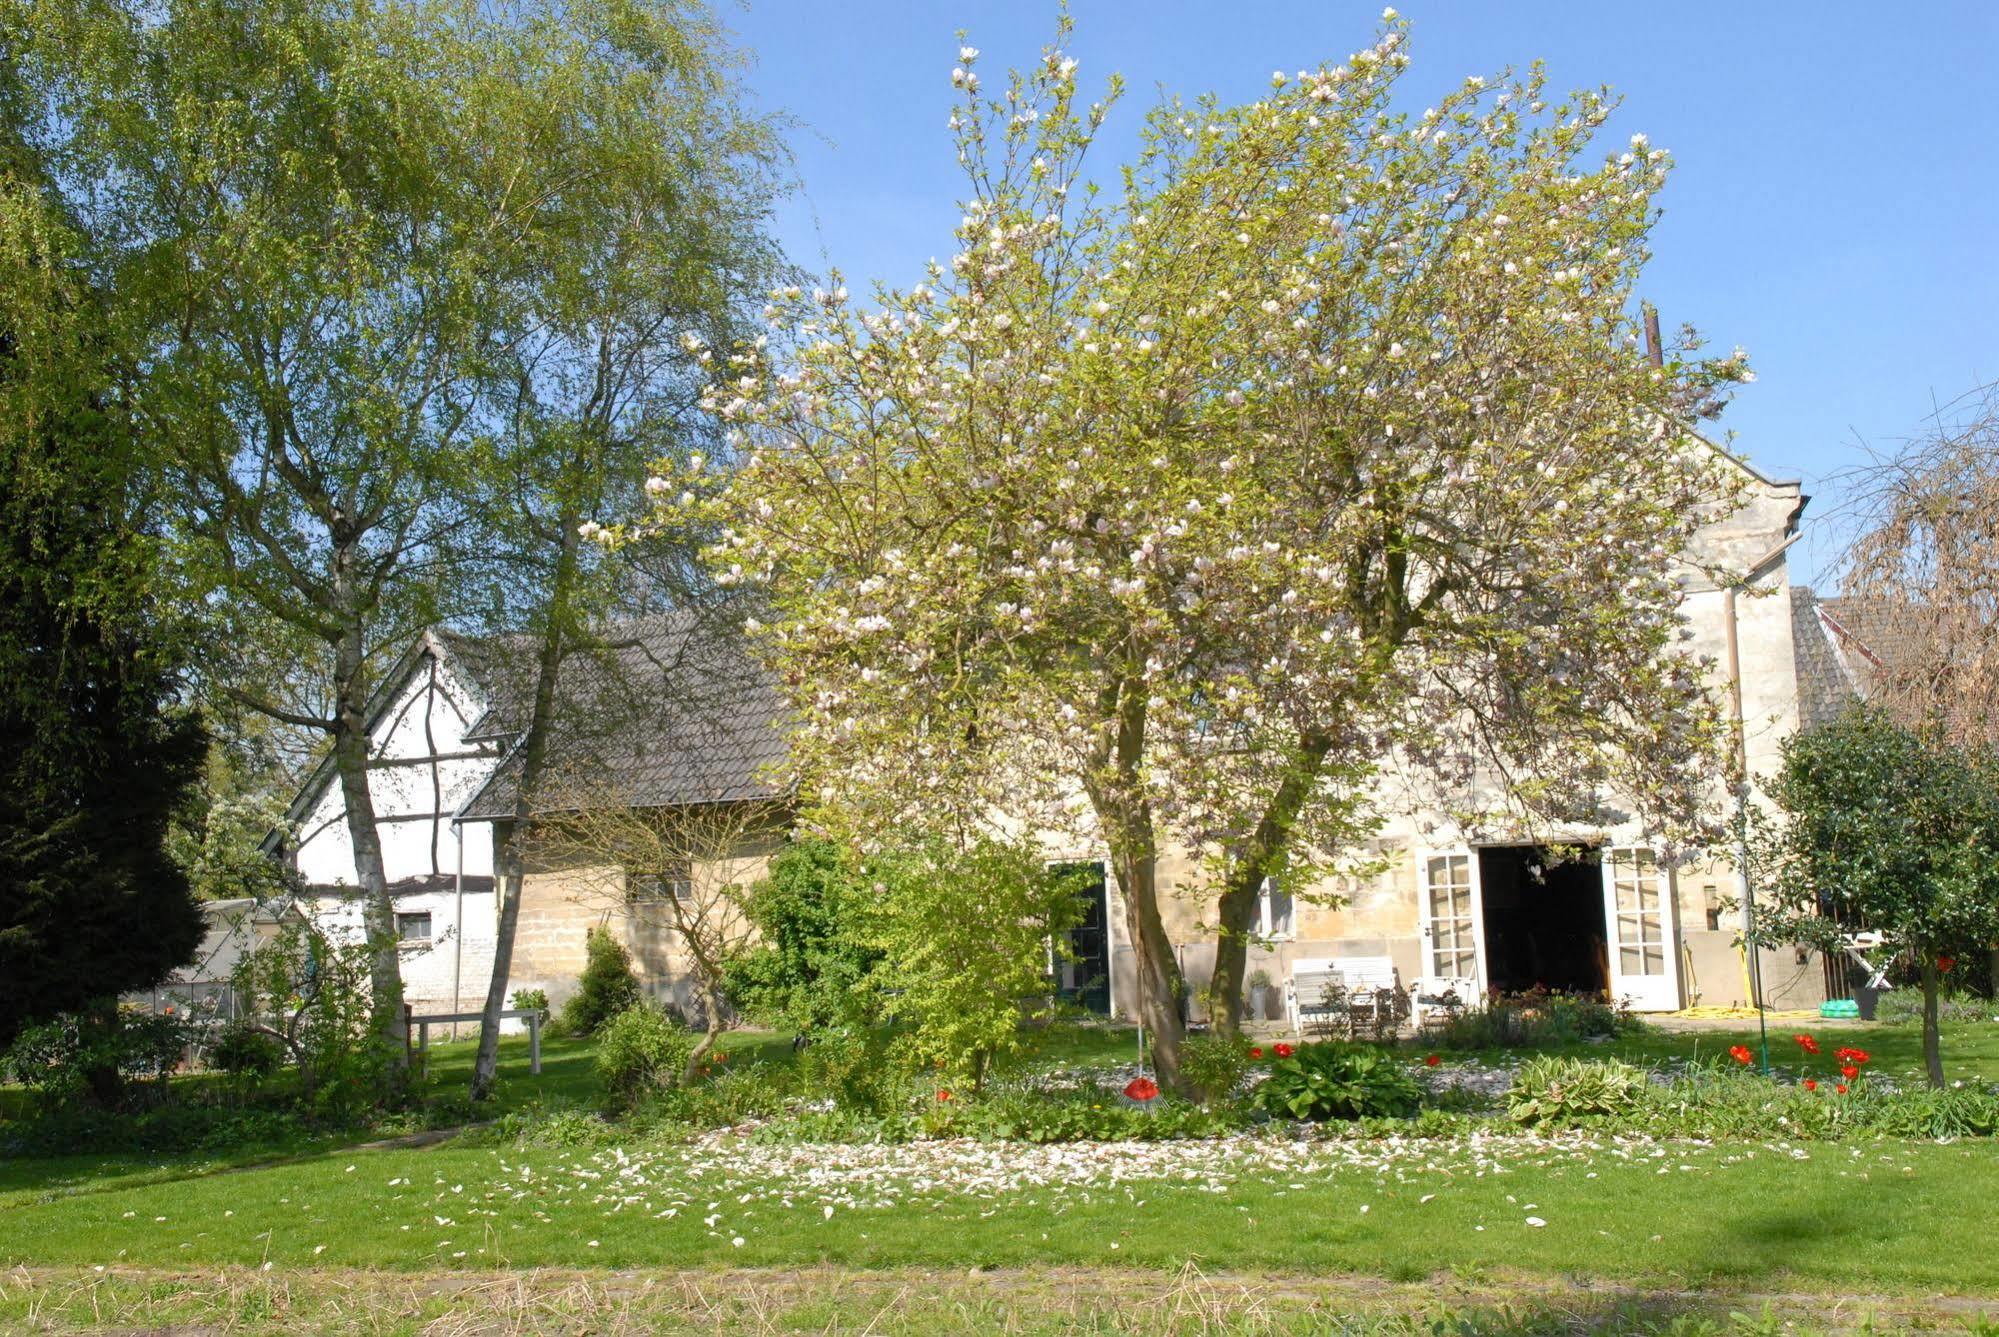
(1315, 469)
(650, 246)
(309, 220)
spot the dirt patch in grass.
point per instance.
(1065, 1300)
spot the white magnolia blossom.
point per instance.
(1382, 511)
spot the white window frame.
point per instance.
(1265, 893)
(655, 888)
(429, 919)
(1424, 925)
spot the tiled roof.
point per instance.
(671, 711)
(1874, 634)
(1823, 685)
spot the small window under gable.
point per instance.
(413, 927)
(674, 882)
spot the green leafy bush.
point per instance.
(1561, 1092)
(811, 957)
(1906, 1005)
(851, 1066)
(1215, 1064)
(1713, 1103)
(1083, 1114)
(243, 1051)
(1331, 1080)
(606, 989)
(529, 1000)
(90, 1055)
(734, 1096)
(316, 994)
(170, 1129)
(1536, 1020)
(641, 1052)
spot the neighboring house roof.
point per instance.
(1824, 686)
(672, 711)
(1844, 644)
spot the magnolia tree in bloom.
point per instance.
(1182, 515)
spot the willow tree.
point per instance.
(1318, 467)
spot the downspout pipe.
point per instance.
(1751, 958)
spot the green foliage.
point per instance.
(313, 995)
(87, 1056)
(850, 1066)
(1887, 828)
(244, 1051)
(606, 987)
(811, 958)
(641, 1051)
(1561, 1092)
(1331, 1080)
(734, 1096)
(530, 1000)
(96, 754)
(960, 935)
(1215, 1064)
(1085, 1114)
(951, 940)
(1906, 1005)
(1529, 1021)
(182, 1127)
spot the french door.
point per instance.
(1452, 924)
(1642, 928)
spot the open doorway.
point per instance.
(1085, 977)
(1544, 925)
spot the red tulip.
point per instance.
(943, 1096)
(1431, 1060)
(1282, 1050)
(1944, 963)
(1741, 1054)
(1142, 1088)
(1811, 1084)
(1806, 1043)
(1255, 1052)
(1841, 1088)
(1848, 1071)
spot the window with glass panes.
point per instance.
(1638, 892)
(1453, 936)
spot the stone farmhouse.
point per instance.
(679, 718)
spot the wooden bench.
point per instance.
(1354, 995)
(534, 1017)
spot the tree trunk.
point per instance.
(508, 865)
(711, 1002)
(1159, 986)
(507, 868)
(1932, 1041)
(1244, 879)
(1117, 794)
(1992, 973)
(350, 761)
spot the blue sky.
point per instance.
(1835, 209)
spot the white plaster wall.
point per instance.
(415, 797)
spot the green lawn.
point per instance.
(1865, 1218)
(1830, 1220)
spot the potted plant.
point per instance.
(1265, 1004)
